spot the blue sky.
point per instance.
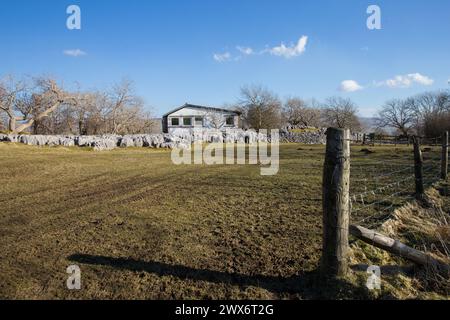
(187, 51)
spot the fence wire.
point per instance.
(380, 187)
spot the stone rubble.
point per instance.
(309, 135)
(316, 136)
(177, 139)
(109, 142)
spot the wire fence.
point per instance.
(380, 187)
(374, 139)
(361, 190)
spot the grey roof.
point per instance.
(187, 105)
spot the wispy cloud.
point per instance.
(290, 51)
(222, 57)
(245, 50)
(350, 86)
(75, 53)
(400, 81)
(406, 81)
(282, 50)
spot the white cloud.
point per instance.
(282, 50)
(75, 53)
(350, 86)
(222, 57)
(291, 51)
(245, 50)
(406, 81)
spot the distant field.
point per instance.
(143, 228)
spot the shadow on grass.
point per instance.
(304, 286)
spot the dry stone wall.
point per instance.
(109, 142)
(182, 139)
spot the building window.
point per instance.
(199, 121)
(175, 121)
(230, 121)
(187, 121)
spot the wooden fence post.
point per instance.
(444, 160)
(418, 169)
(336, 203)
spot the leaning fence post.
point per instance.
(336, 203)
(444, 160)
(418, 168)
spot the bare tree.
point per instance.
(214, 119)
(3, 121)
(298, 112)
(40, 106)
(144, 123)
(430, 103)
(33, 105)
(125, 108)
(428, 108)
(42, 103)
(85, 115)
(397, 114)
(11, 91)
(260, 108)
(119, 111)
(341, 113)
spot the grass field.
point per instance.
(143, 228)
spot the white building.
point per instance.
(199, 117)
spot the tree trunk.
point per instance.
(12, 123)
(42, 115)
